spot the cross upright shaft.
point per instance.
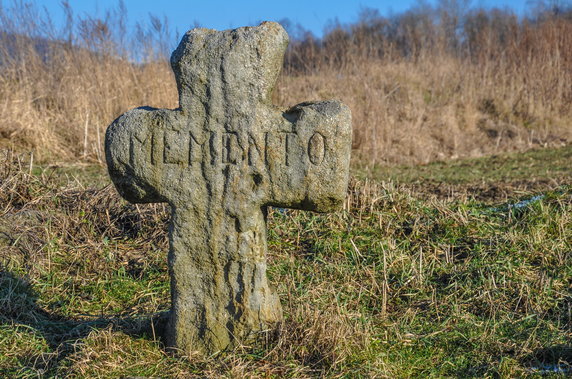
(219, 160)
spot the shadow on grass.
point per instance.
(18, 307)
(548, 361)
(554, 359)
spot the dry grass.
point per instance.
(437, 108)
(393, 286)
(413, 100)
(60, 90)
(60, 109)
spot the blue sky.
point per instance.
(219, 14)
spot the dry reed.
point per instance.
(418, 91)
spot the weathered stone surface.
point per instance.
(219, 160)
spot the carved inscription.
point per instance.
(256, 149)
(196, 148)
(317, 148)
(291, 140)
(175, 147)
(229, 148)
(138, 146)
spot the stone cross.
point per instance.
(220, 160)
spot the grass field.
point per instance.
(452, 256)
(423, 274)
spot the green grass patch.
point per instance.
(535, 164)
(396, 285)
(487, 179)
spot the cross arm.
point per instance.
(129, 150)
(313, 174)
